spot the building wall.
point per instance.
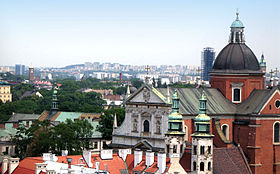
(126, 134)
(5, 93)
(224, 82)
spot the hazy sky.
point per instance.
(154, 32)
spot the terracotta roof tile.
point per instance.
(230, 161)
(113, 165)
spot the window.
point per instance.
(209, 166)
(269, 107)
(146, 126)
(95, 145)
(225, 131)
(202, 166)
(181, 148)
(277, 104)
(201, 150)
(174, 148)
(194, 166)
(276, 132)
(167, 148)
(236, 95)
(209, 149)
(194, 150)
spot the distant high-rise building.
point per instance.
(31, 74)
(207, 59)
(20, 69)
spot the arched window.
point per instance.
(276, 132)
(225, 131)
(202, 166)
(209, 166)
(194, 166)
(146, 126)
(201, 150)
(174, 148)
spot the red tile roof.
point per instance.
(113, 165)
(141, 166)
(230, 161)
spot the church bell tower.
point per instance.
(175, 136)
(202, 141)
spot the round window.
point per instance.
(277, 104)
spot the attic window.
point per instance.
(277, 104)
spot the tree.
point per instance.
(136, 82)
(107, 119)
(41, 137)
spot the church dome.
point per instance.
(236, 57)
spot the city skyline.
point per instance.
(56, 34)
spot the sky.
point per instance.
(154, 32)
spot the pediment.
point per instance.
(147, 95)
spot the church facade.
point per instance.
(242, 112)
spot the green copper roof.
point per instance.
(175, 115)
(237, 23)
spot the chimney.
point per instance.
(64, 152)
(161, 164)
(69, 160)
(150, 158)
(40, 167)
(46, 156)
(13, 163)
(4, 165)
(87, 157)
(137, 157)
(123, 153)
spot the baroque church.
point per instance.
(241, 112)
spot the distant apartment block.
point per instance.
(20, 69)
(207, 59)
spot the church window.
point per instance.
(209, 166)
(194, 150)
(276, 132)
(158, 127)
(201, 150)
(146, 126)
(174, 148)
(134, 125)
(202, 166)
(225, 131)
(236, 95)
(277, 104)
(194, 166)
(269, 107)
(209, 149)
